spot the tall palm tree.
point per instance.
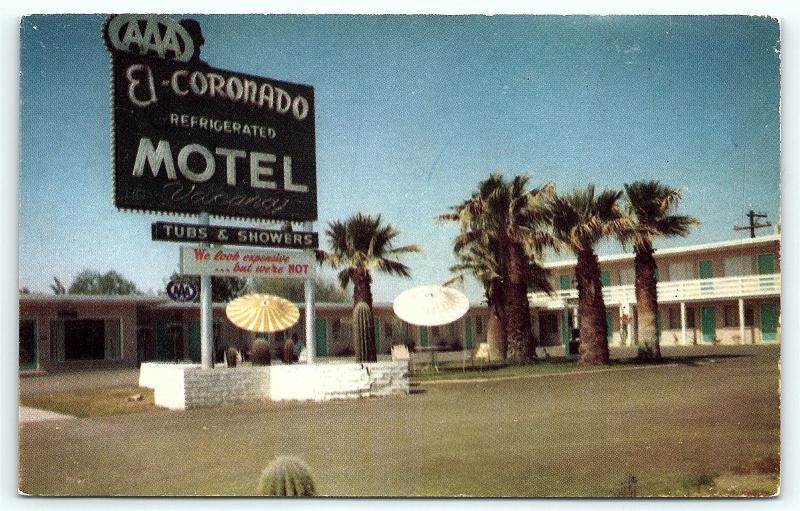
(580, 219)
(650, 206)
(508, 217)
(483, 264)
(359, 245)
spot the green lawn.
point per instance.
(451, 370)
(92, 402)
(679, 429)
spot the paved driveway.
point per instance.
(581, 434)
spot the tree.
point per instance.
(57, 287)
(89, 282)
(507, 218)
(483, 264)
(360, 245)
(650, 206)
(579, 220)
(294, 290)
(223, 289)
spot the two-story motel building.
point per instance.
(726, 292)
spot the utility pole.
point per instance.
(752, 215)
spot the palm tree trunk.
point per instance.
(593, 347)
(518, 312)
(362, 291)
(647, 304)
(496, 332)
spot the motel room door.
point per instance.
(322, 337)
(708, 323)
(468, 332)
(769, 322)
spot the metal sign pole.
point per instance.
(311, 316)
(206, 313)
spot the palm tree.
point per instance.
(506, 216)
(580, 219)
(483, 264)
(359, 245)
(650, 205)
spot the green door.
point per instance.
(709, 324)
(565, 329)
(28, 344)
(322, 337)
(609, 327)
(468, 332)
(194, 340)
(423, 336)
(605, 278)
(165, 347)
(705, 270)
(766, 266)
(377, 325)
(769, 322)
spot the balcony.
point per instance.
(674, 292)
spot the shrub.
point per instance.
(232, 355)
(287, 476)
(287, 353)
(260, 353)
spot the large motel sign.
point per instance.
(191, 139)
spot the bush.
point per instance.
(232, 356)
(260, 353)
(287, 353)
(287, 476)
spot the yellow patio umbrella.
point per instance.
(262, 313)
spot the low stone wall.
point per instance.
(151, 373)
(186, 386)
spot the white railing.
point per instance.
(672, 292)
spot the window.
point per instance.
(735, 266)
(627, 276)
(548, 324)
(435, 331)
(690, 321)
(388, 329)
(479, 325)
(749, 319)
(674, 319)
(680, 271)
(85, 339)
(730, 316)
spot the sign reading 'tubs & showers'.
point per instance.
(190, 138)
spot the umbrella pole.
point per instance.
(206, 312)
(311, 316)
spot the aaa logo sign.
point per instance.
(288, 264)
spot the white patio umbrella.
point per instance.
(262, 313)
(430, 305)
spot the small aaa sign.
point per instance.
(232, 262)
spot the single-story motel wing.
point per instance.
(724, 292)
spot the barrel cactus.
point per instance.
(287, 476)
(364, 333)
(260, 353)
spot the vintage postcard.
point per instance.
(343, 255)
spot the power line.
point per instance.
(752, 215)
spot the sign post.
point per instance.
(206, 313)
(311, 319)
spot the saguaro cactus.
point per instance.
(287, 476)
(364, 333)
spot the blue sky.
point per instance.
(413, 111)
